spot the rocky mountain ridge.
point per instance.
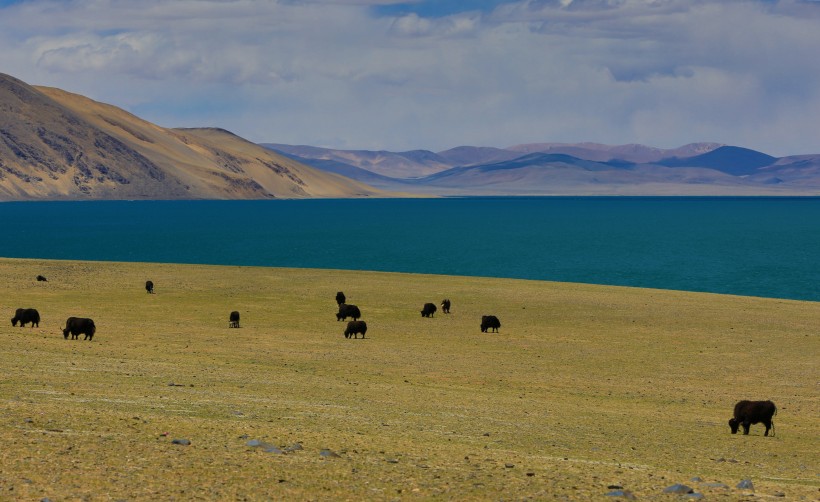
(59, 145)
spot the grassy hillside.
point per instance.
(585, 387)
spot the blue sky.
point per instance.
(382, 74)
(437, 8)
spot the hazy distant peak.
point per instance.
(579, 169)
(631, 152)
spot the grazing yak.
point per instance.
(445, 306)
(149, 287)
(340, 298)
(753, 412)
(354, 328)
(346, 311)
(40, 278)
(428, 310)
(233, 321)
(25, 316)
(77, 326)
(490, 322)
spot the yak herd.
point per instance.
(746, 413)
(489, 323)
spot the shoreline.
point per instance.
(408, 274)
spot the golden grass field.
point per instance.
(585, 387)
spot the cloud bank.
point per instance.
(342, 74)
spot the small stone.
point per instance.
(329, 453)
(183, 442)
(266, 447)
(623, 494)
(778, 494)
(487, 434)
(696, 479)
(746, 484)
(530, 474)
(678, 488)
(392, 461)
(509, 466)
(295, 447)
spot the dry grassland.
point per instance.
(585, 387)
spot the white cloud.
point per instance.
(661, 72)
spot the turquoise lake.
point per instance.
(746, 246)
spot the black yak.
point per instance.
(490, 322)
(233, 320)
(25, 316)
(340, 298)
(149, 287)
(346, 311)
(77, 326)
(445, 306)
(428, 310)
(753, 412)
(355, 327)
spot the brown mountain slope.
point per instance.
(59, 145)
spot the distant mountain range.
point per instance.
(58, 145)
(571, 169)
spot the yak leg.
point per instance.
(746, 426)
(768, 424)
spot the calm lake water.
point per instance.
(747, 246)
